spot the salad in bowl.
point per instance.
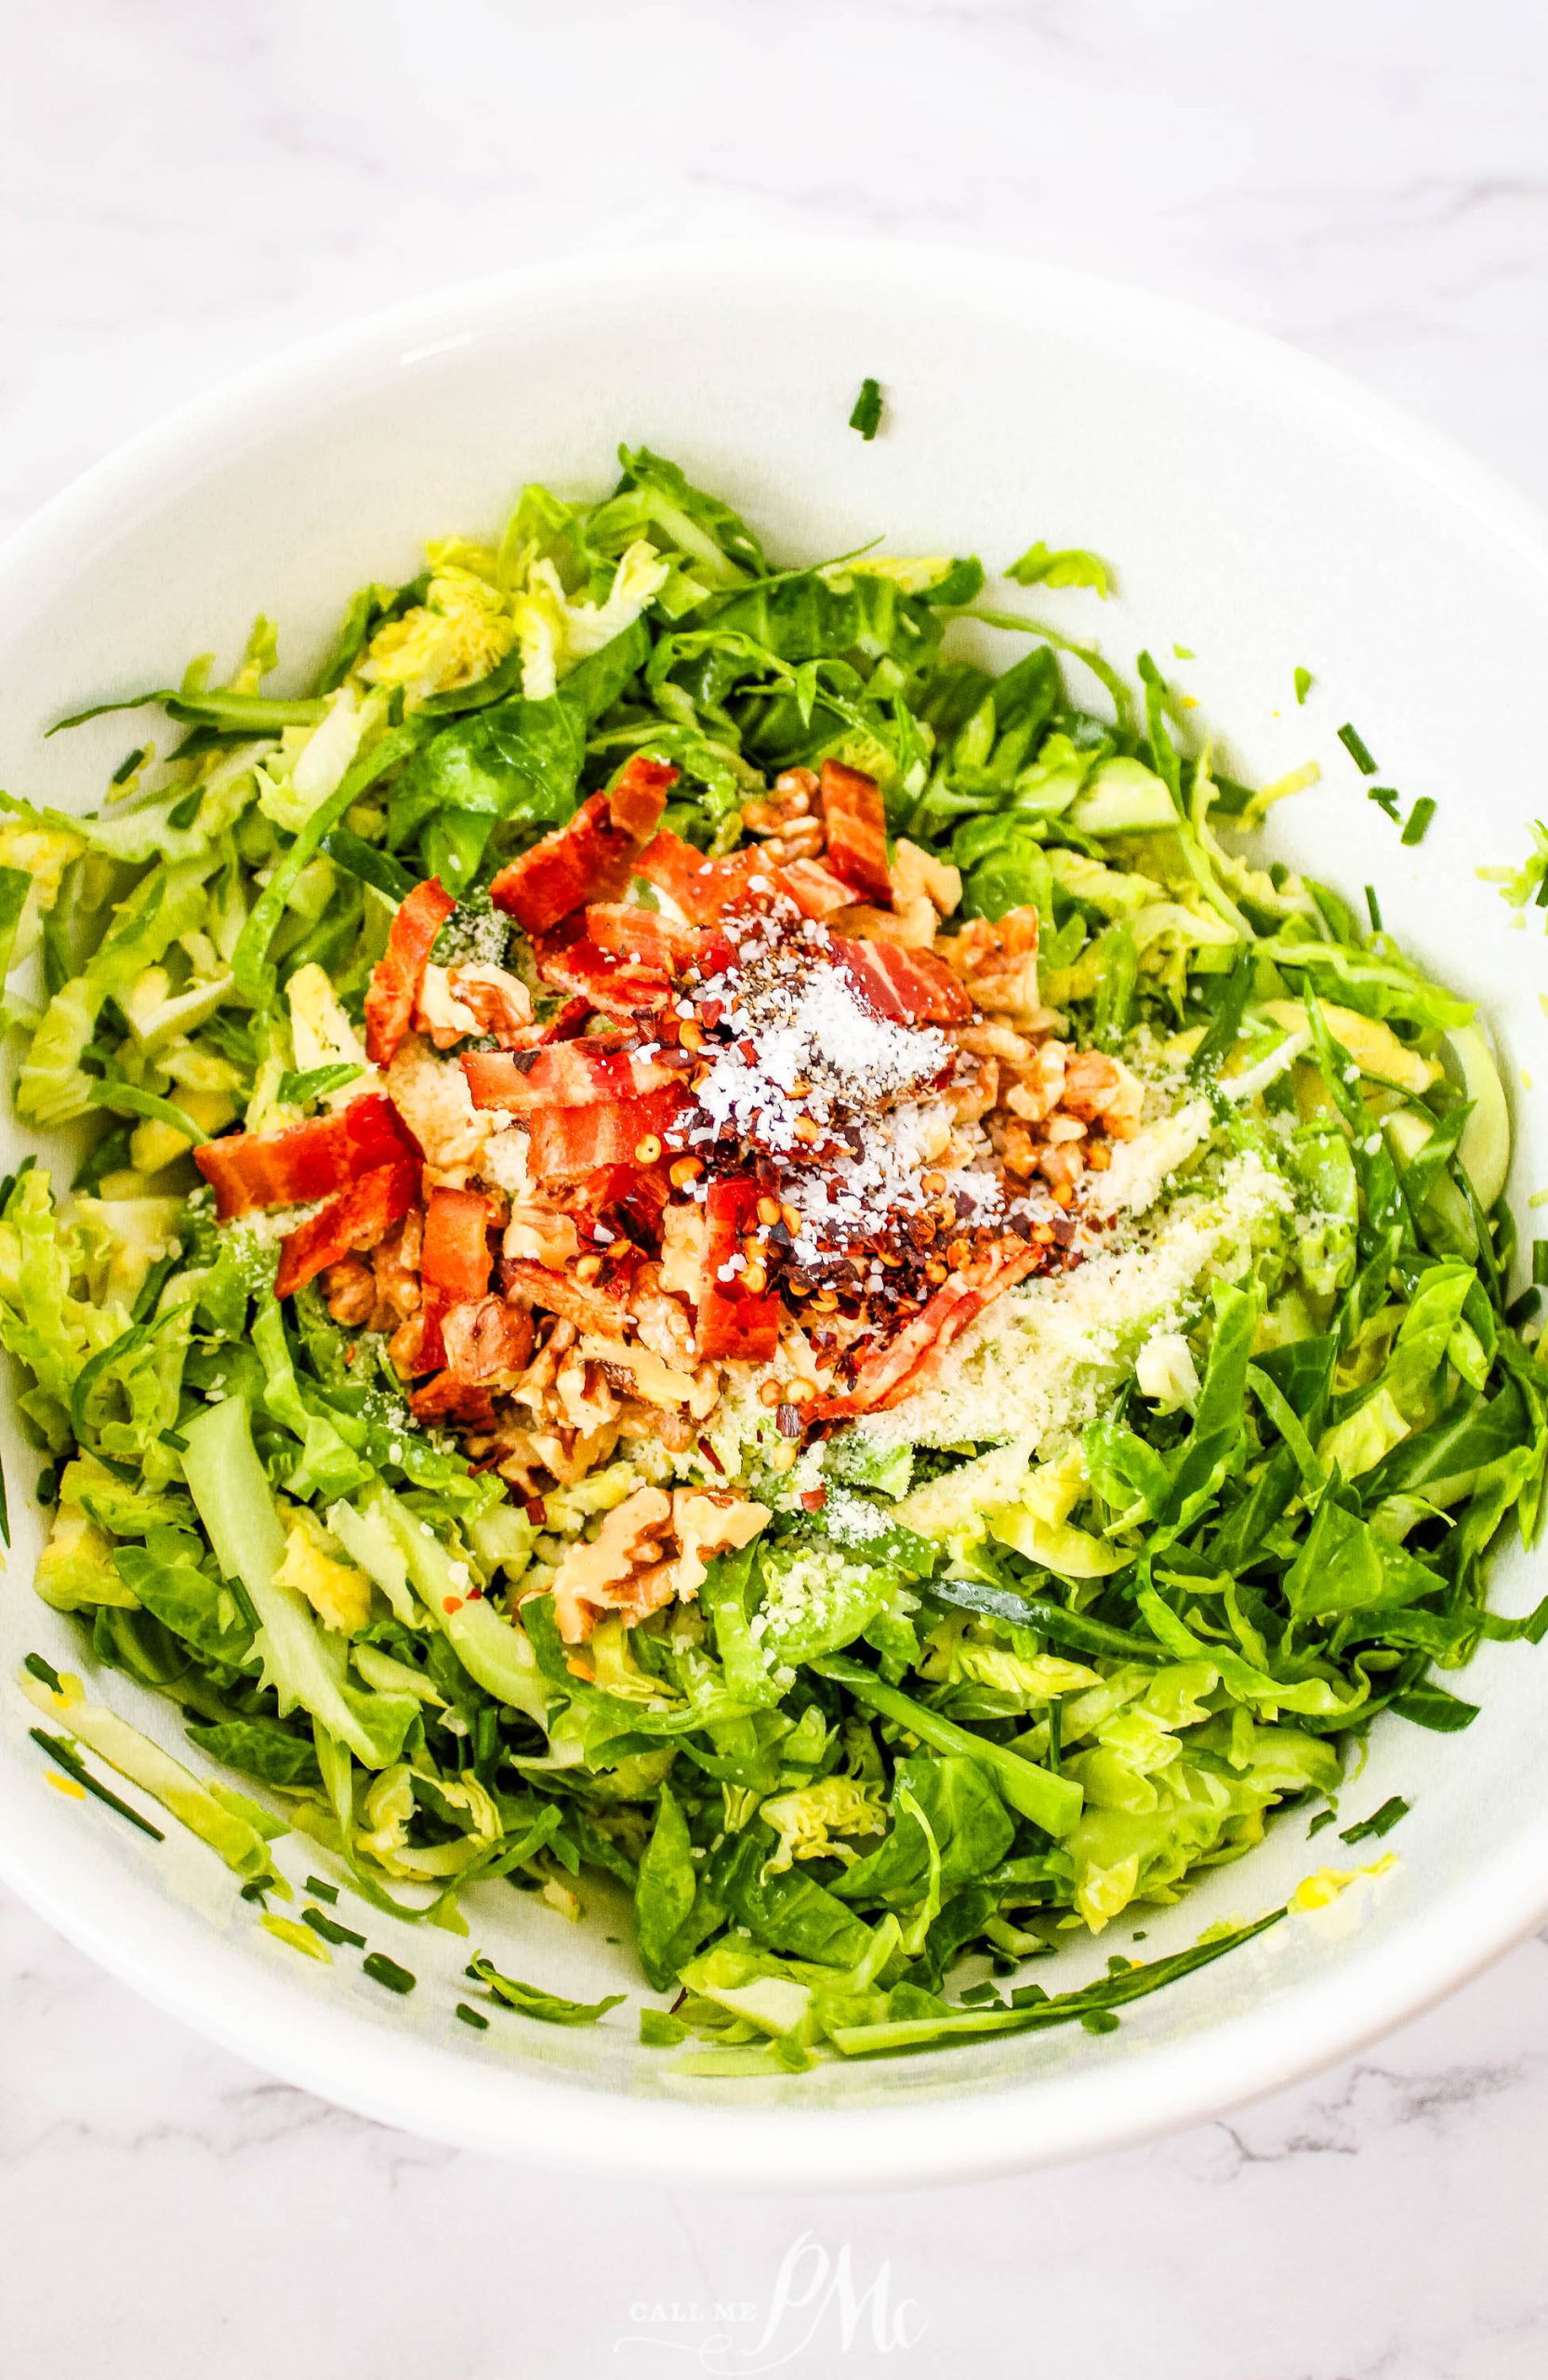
(714, 1247)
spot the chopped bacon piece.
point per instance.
(446, 1398)
(703, 888)
(564, 1074)
(903, 986)
(643, 936)
(674, 868)
(589, 1309)
(456, 1253)
(573, 962)
(486, 1339)
(399, 972)
(308, 1160)
(815, 891)
(732, 1322)
(566, 1145)
(905, 1364)
(594, 855)
(856, 827)
(639, 795)
(356, 1218)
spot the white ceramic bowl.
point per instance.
(1262, 514)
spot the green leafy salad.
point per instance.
(710, 1252)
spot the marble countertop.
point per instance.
(184, 189)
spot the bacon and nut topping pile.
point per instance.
(765, 1109)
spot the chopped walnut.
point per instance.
(350, 1288)
(970, 1100)
(914, 872)
(1039, 1085)
(682, 1232)
(395, 1265)
(706, 1522)
(584, 1397)
(991, 1039)
(538, 1237)
(997, 962)
(486, 1340)
(621, 1569)
(1103, 1091)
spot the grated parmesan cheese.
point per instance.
(1045, 1358)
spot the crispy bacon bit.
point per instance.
(571, 961)
(643, 937)
(564, 1074)
(356, 1218)
(732, 1321)
(395, 983)
(456, 1253)
(446, 1398)
(903, 986)
(287, 1169)
(856, 831)
(594, 855)
(906, 1362)
(566, 1145)
(638, 794)
(815, 889)
(674, 868)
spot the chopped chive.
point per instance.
(1540, 1263)
(1323, 1818)
(1385, 798)
(323, 1892)
(184, 813)
(255, 1889)
(481, 2023)
(1304, 683)
(1055, 1734)
(175, 1439)
(127, 765)
(1374, 906)
(387, 1972)
(330, 1929)
(1523, 1309)
(44, 1672)
(1381, 1821)
(1358, 751)
(979, 1995)
(1141, 1937)
(867, 417)
(58, 1749)
(1419, 820)
(47, 1488)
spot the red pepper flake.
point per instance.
(451, 1603)
(710, 1456)
(537, 1511)
(814, 1499)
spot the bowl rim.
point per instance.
(207, 1980)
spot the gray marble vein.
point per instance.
(184, 189)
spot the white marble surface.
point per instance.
(184, 187)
